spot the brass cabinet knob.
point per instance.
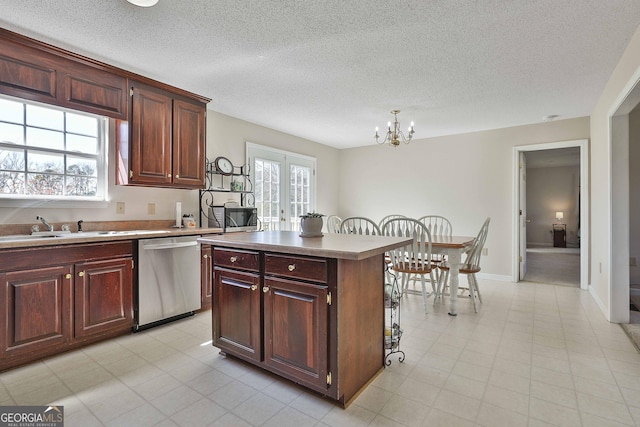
(265, 289)
(169, 175)
(205, 256)
(67, 276)
(292, 267)
(177, 176)
(233, 259)
(81, 274)
(254, 287)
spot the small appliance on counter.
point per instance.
(233, 218)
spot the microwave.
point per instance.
(233, 218)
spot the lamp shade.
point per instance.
(143, 3)
(559, 216)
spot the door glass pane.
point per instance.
(299, 194)
(267, 193)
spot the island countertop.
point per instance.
(331, 245)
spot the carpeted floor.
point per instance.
(557, 266)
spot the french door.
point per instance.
(284, 186)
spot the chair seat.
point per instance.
(465, 269)
(412, 269)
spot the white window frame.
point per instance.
(287, 159)
(99, 200)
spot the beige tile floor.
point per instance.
(534, 355)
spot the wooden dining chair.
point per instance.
(333, 223)
(359, 225)
(414, 259)
(437, 225)
(388, 217)
(470, 266)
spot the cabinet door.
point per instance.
(150, 158)
(103, 296)
(206, 276)
(295, 330)
(188, 144)
(36, 306)
(236, 313)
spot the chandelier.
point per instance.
(394, 134)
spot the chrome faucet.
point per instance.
(44, 221)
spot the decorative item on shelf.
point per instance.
(311, 224)
(188, 221)
(236, 185)
(223, 165)
(394, 134)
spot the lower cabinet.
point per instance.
(60, 297)
(295, 330)
(103, 296)
(275, 316)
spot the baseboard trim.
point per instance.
(496, 277)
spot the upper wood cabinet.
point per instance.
(39, 75)
(163, 143)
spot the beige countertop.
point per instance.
(331, 245)
(60, 238)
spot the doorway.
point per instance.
(575, 226)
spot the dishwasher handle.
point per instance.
(169, 245)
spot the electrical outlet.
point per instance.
(120, 207)
(485, 251)
(151, 208)
(633, 261)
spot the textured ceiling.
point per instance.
(331, 71)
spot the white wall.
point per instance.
(549, 190)
(226, 136)
(463, 177)
(609, 205)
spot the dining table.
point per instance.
(453, 247)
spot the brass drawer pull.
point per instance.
(233, 259)
(292, 267)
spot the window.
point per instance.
(50, 153)
(281, 176)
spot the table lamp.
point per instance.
(559, 216)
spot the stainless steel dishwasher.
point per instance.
(168, 279)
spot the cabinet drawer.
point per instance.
(243, 260)
(313, 269)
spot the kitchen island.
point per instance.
(308, 309)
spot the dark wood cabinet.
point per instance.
(56, 298)
(37, 74)
(236, 313)
(163, 143)
(37, 310)
(559, 236)
(206, 276)
(103, 296)
(295, 330)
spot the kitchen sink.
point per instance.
(69, 235)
